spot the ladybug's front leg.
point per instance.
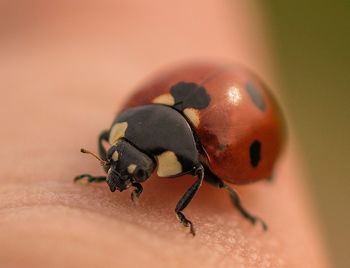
(136, 192)
(187, 197)
(90, 178)
(104, 135)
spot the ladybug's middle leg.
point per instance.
(187, 197)
(236, 201)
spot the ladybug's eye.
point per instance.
(140, 174)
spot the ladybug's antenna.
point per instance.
(84, 151)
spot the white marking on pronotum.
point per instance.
(193, 116)
(117, 132)
(168, 164)
(166, 99)
(131, 168)
(115, 156)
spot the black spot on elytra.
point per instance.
(255, 153)
(189, 95)
(255, 96)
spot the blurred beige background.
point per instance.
(311, 40)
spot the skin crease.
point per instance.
(66, 68)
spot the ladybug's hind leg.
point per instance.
(187, 197)
(211, 178)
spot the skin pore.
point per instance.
(67, 67)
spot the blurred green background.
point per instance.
(312, 41)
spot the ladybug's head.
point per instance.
(126, 165)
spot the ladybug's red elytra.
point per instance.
(216, 122)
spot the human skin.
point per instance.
(66, 69)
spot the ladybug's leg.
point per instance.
(103, 154)
(236, 201)
(101, 149)
(187, 197)
(137, 192)
(90, 178)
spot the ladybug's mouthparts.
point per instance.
(116, 182)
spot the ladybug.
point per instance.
(216, 122)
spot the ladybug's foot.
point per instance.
(135, 195)
(237, 203)
(185, 222)
(90, 178)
